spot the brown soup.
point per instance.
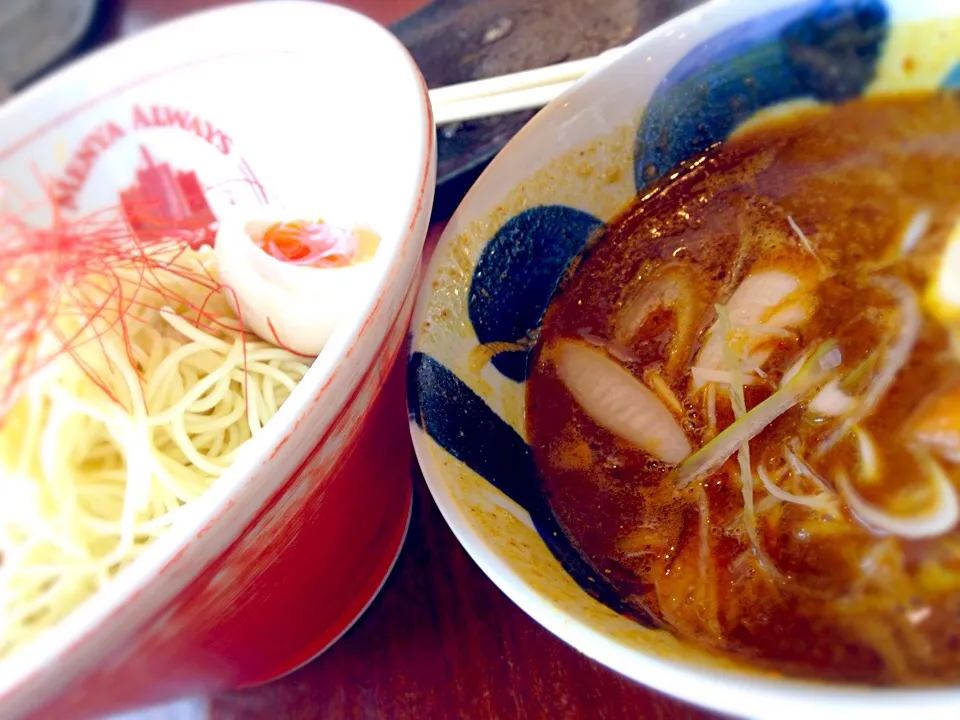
(745, 399)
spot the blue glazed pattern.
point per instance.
(952, 80)
(536, 245)
(826, 51)
(461, 423)
(464, 425)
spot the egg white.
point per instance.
(295, 306)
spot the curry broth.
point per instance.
(824, 595)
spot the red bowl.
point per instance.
(286, 549)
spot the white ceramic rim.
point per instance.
(737, 693)
(354, 343)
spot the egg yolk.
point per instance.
(308, 242)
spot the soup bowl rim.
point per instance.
(739, 690)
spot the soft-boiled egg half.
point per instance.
(292, 279)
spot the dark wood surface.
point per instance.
(440, 641)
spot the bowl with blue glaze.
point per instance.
(676, 91)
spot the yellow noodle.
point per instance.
(89, 479)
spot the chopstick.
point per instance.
(517, 91)
(498, 104)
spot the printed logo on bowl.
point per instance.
(165, 168)
(167, 146)
(258, 126)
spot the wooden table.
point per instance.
(440, 641)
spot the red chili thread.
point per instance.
(72, 266)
